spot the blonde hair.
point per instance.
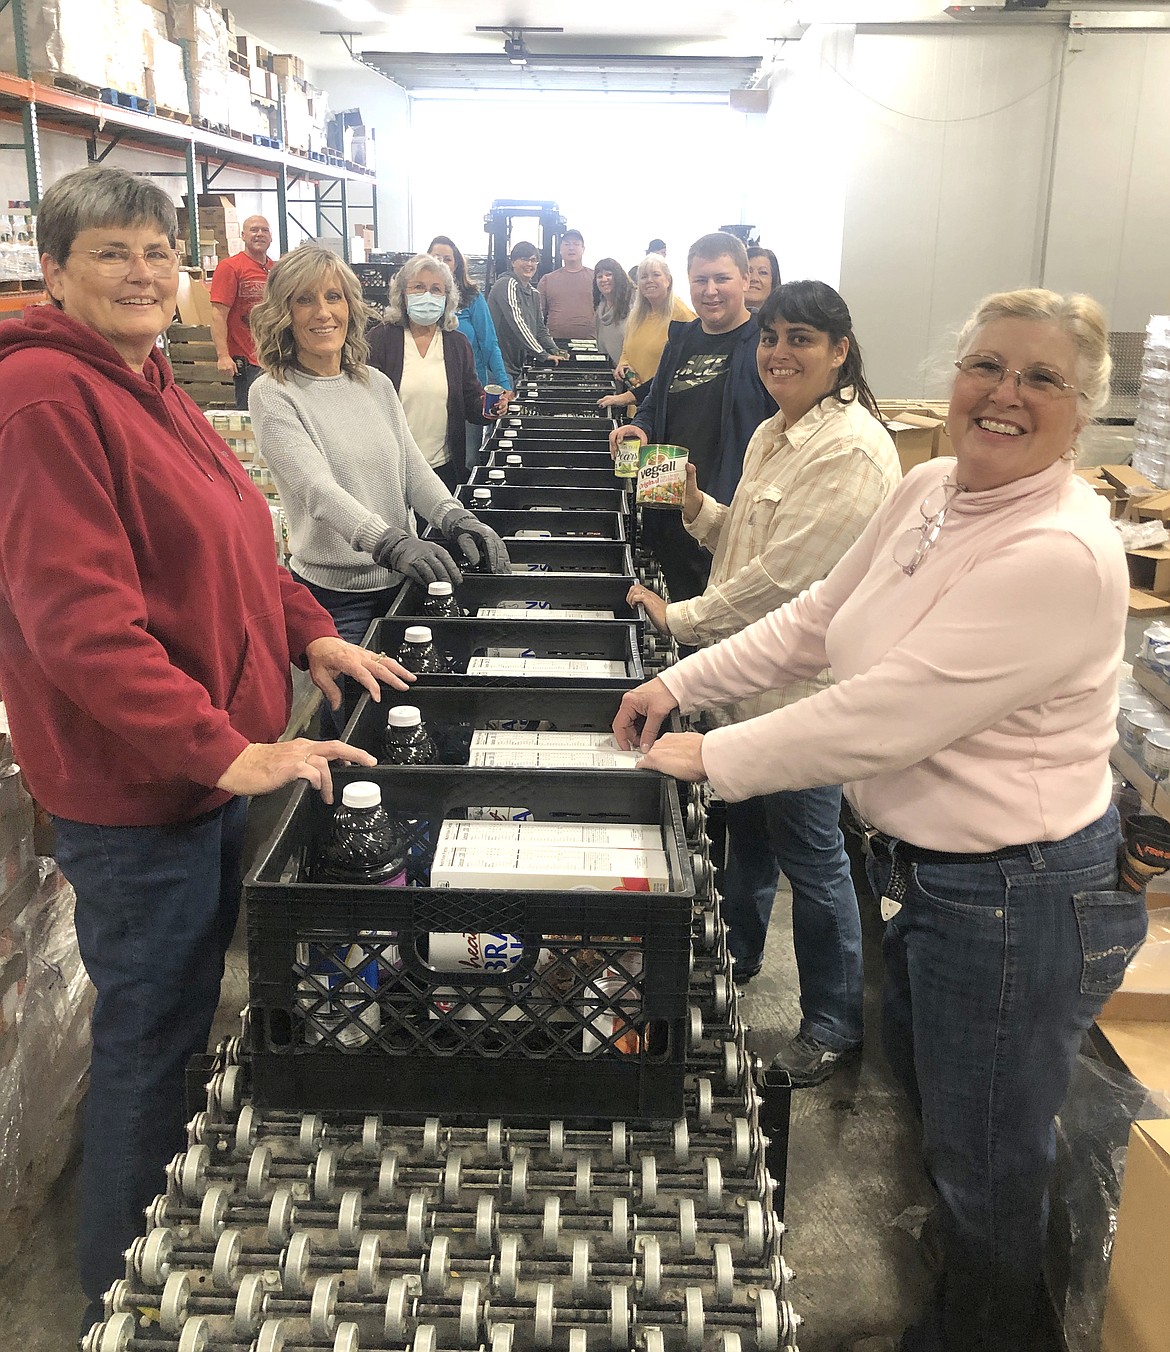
(1078, 315)
(272, 321)
(641, 308)
(396, 309)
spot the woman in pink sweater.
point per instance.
(974, 632)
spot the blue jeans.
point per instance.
(994, 971)
(352, 612)
(474, 446)
(796, 833)
(156, 908)
(244, 380)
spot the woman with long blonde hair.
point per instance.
(655, 305)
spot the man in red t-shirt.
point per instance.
(237, 284)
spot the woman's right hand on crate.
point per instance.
(641, 715)
(264, 766)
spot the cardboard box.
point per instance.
(1149, 569)
(549, 868)
(1137, 1302)
(194, 298)
(914, 439)
(1156, 507)
(602, 835)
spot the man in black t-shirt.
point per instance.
(707, 396)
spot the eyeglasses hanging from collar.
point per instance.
(913, 545)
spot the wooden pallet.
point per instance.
(13, 285)
(172, 115)
(56, 80)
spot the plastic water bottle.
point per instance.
(364, 847)
(407, 741)
(441, 602)
(419, 654)
(496, 478)
(513, 460)
(481, 499)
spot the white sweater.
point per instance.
(975, 701)
(346, 468)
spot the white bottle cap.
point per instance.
(515, 460)
(361, 793)
(404, 716)
(496, 476)
(439, 589)
(417, 633)
(481, 495)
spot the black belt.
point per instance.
(884, 845)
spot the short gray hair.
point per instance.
(396, 309)
(97, 196)
(1080, 316)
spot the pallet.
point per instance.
(217, 127)
(270, 142)
(118, 98)
(172, 115)
(13, 285)
(56, 80)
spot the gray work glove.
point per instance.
(423, 561)
(477, 541)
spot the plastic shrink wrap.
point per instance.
(1091, 1135)
(46, 1000)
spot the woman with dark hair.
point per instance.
(763, 276)
(813, 476)
(334, 433)
(612, 297)
(146, 633)
(475, 324)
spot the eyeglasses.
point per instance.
(115, 262)
(1042, 381)
(914, 544)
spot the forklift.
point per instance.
(498, 224)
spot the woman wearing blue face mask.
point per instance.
(431, 364)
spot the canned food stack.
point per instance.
(493, 1088)
(1151, 442)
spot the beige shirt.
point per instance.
(424, 397)
(806, 493)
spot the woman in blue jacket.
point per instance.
(475, 323)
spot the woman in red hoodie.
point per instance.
(146, 633)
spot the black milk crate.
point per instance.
(535, 462)
(599, 475)
(519, 442)
(522, 498)
(537, 591)
(584, 1016)
(571, 556)
(571, 383)
(452, 714)
(608, 640)
(558, 406)
(592, 428)
(558, 525)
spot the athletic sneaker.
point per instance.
(807, 1061)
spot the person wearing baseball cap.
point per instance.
(516, 311)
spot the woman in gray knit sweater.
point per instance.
(333, 433)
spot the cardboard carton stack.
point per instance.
(203, 28)
(219, 228)
(45, 1001)
(235, 426)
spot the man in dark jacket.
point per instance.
(707, 396)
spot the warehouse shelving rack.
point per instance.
(205, 154)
